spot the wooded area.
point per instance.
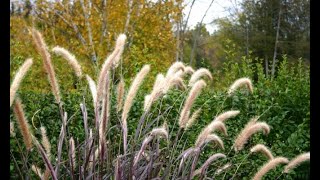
(158, 33)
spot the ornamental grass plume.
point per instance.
(225, 167)
(248, 131)
(43, 50)
(193, 118)
(174, 68)
(70, 58)
(18, 78)
(162, 86)
(214, 138)
(112, 60)
(160, 132)
(159, 79)
(210, 160)
(45, 141)
(46, 174)
(172, 81)
(198, 74)
(120, 94)
(263, 149)
(226, 115)
(297, 161)
(37, 170)
(93, 89)
(271, 164)
(72, 153)
(23, 124)
(188, 70)
(129, 101)
(239, 83)
(194, 92)
(214, 125)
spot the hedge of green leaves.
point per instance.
(282, 102)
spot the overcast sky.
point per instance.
(217, 10)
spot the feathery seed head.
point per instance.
(214, 138)
(194, 92)
(226, 115)
(189, 70)
(133, 90)
(72, 152)
(162, 132)
(45, 141)
(43, 51)
(175, 80)
(12, 131)
(93, 89)
(228, 165)
(129, 99)
(219, 126)
(262, 148)
(238, 83)
(112, 60)
(159, 79)
(174, 68)
(36, 170)
(248, 131)
(120, 94)
(193, 118)
(18, 78)
(198, 74)
(211, 159)
(271, 164)
(23, 123)
(121, 40)
(70, 58)
(297, 161)
(214, 125)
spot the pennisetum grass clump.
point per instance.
(100, 155)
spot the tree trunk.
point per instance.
(183, 31)
(130, 7)
(193, 51)
(276, 44)
(104, 21)
(86, 13)
(266, 65)
(178, 41)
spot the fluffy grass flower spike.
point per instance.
(18, 78)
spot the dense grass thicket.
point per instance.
(282, 102)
